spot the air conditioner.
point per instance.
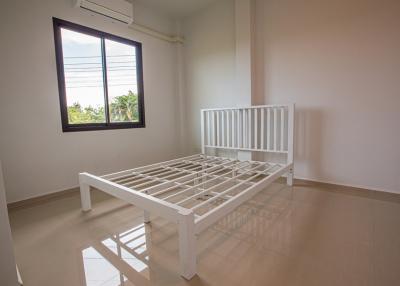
(120, 10)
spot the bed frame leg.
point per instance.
(290, 177)
(146, 217)
(85, 193)
(187, 244)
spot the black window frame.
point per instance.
(66, 126)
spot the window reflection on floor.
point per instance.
(121, 259)
(98, 271)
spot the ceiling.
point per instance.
(176, 8)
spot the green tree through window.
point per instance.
(123, 108)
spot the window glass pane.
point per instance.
(122, 82)
(83, 77)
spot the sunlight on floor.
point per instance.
(127, 248)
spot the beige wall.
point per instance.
(209, 65)
(340, 62)
(38, 158)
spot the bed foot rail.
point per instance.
(289, 177)
(86, 202)
(146, 217)
(187, 244)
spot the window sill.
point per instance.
(101, 126)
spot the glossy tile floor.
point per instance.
(302, 235)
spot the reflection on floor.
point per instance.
(305, 235)
(129, 248)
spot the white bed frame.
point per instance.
(197, 191)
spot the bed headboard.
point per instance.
(263, 128)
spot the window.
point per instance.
(100, 79)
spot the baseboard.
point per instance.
(350, 186)
(42, 199)
(350, 190)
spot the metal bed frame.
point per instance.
(198, 190)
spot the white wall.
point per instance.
(38, 158)
(244, 45)
(8, 273)
(209, 64)
(339, 61)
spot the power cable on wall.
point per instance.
(156, 34)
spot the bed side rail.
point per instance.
(146, 202)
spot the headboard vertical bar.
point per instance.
(244, 129)
(238, 128)
(250, 122)
(218, 139)
(269, 129)
(282, 128)
(244, 126)
(223, 127)
(262, 130)
(208, 128)
(241, 136)
(213, 129)
(275, 129)
(203, 148)
(291, 123)
(244, 139)
(228, 126)
(256, 128)
(233, 128)
(246, 114)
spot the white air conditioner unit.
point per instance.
(120, 10)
